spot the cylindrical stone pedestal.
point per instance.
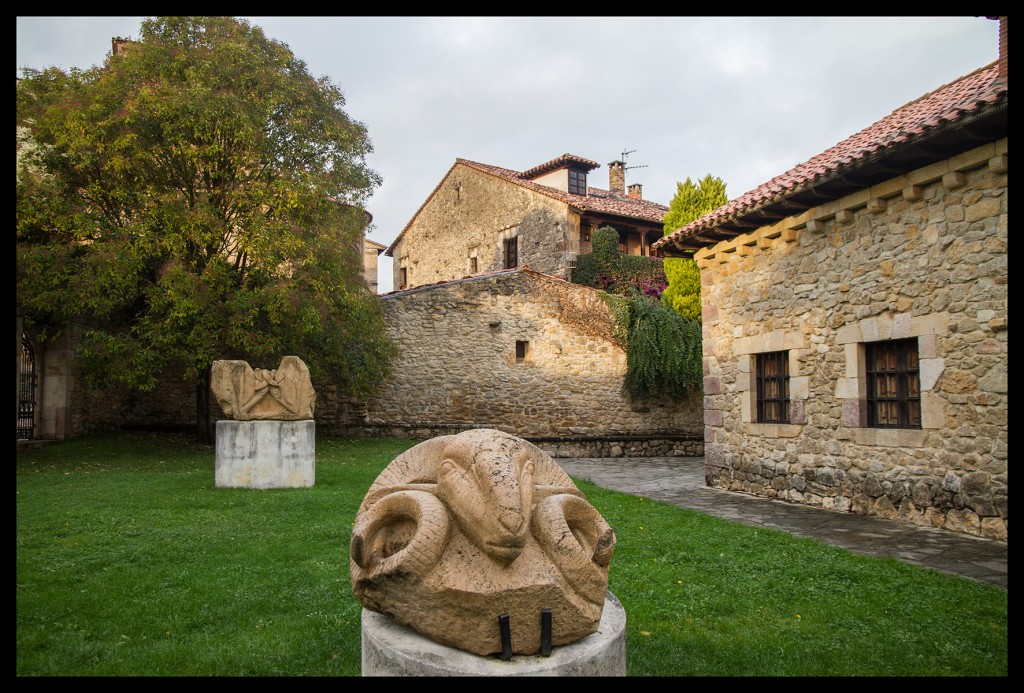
(265, 454)
(390, 649)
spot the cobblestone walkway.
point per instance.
(680, 481)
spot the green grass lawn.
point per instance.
(131, 563)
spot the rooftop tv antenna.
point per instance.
(626, 153)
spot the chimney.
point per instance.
(636, 191)
(1003, 37)
(119, 46)
(617, 177)
(1004, 70)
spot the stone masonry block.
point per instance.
(848, 334)
(927, 346)
(746, 407)
(265, 454)
(851, 351)
(799, 387)
(847, 388)
(901, 326)
(912, 193)
(852, 415)
(934, 323)
(929, 372)
(954, 180)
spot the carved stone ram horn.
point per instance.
(580, 541)
(404, 532)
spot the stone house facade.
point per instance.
(371, 252)
(481, 218)
(855, 341)
(524, 352)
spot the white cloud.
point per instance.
(740, 98)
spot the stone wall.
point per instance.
(471, 214)
(170, 406)
(458, 369)
(66, 408)
(922, 256)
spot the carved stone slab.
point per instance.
(247, 394)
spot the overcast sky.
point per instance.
(741, 98)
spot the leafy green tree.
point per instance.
(198, 197)
(691, 201)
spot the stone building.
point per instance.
(855, 319)
(371, 251)
(524, 352)
(482, 218)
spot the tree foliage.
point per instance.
(197, 198)
(691, 201)
(663, 349)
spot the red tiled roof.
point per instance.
(564, 161)
(949, 103)
(596, 200)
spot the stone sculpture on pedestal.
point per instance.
(481, 542)
(269, 437)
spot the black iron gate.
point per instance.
(26, 391)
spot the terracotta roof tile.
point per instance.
(947, 104)
(560, 162)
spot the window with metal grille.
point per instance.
(403, 278)
(773, 387)
(578, 182)
(511, 252)
(894, 384)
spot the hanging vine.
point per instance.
(663, 348)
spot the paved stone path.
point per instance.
(680, 481)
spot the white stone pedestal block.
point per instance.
(390, 649)
(265, 454)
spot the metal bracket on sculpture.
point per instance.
(506, 636)
(545, 632)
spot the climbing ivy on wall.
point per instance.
(663, 347)
(609, 269)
